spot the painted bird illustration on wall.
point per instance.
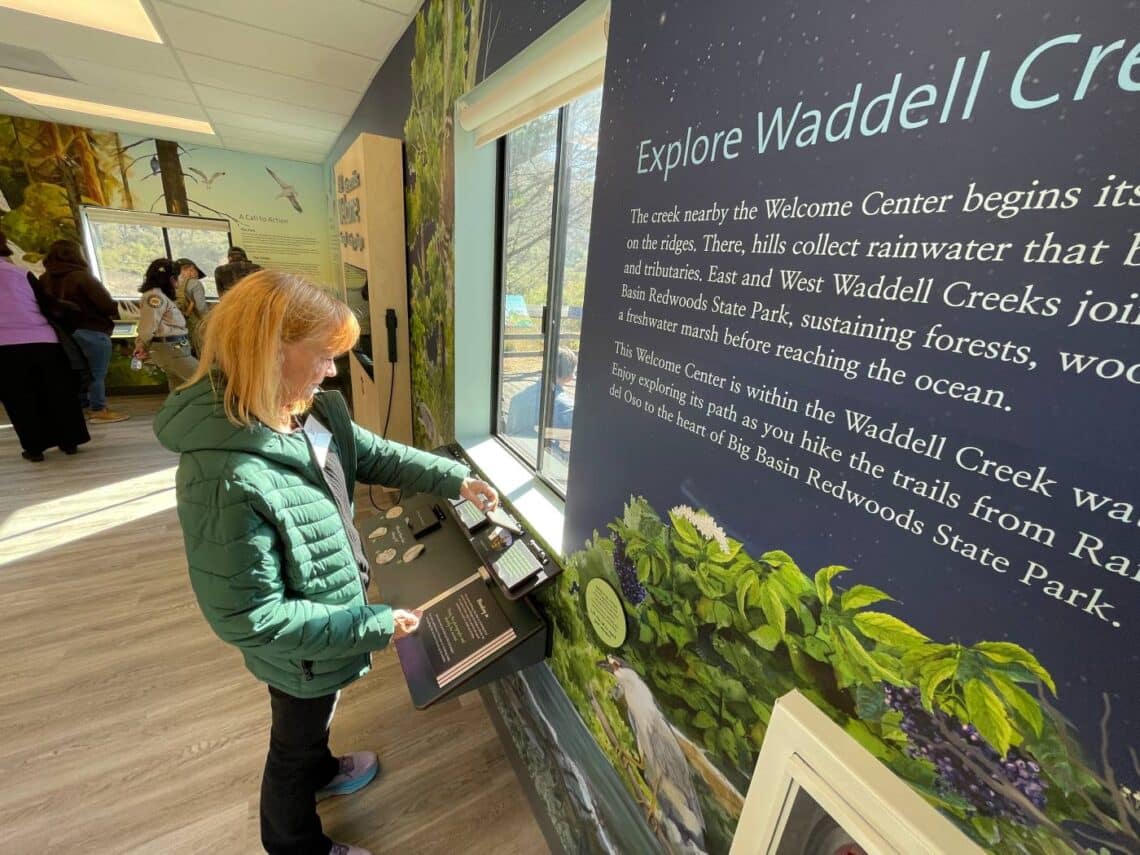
(663, 763)
(288, 191)
(427, 422)
(208, 181)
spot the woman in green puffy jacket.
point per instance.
(265, 481)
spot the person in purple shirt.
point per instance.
(38, 386)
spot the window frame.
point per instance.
(89, 214)
(566, 61)
(550, 323)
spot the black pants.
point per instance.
(299, 763)
(39, 391)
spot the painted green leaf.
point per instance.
(1023, 703)
(807, 619)
(778, 559)
(766, 636)
(714, 553)
(773, 608)
(1006, 651)
(705, 609)
(709, 584)
(988, 715)
(933, 674)
(745, 586)
(916, 656)
(679, 635)
(722, 614)
(862, 595)
(689, 550)
(888, 629)
(861, 657)
(792, 578)
(643, 569)
(869, 703)
(823, 582)
(685, 530)
(703, 720)
(816, 647)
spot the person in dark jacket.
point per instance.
(38, 387)
(68, 278)
(268, 467)
(237, 267)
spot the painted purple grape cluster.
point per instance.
(631, 587)
(965, 764)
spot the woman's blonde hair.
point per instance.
(243, 336)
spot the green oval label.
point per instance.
(604, 610)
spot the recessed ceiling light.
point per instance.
(74, 105)
(124, 17)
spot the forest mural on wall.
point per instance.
(717, 636)
(447, 37)
(47, 171)
(276, 208)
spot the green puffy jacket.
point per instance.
(270, 561)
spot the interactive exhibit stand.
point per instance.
(471, 577)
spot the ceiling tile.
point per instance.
(101, 95)
(346, 25)
(208, 71)
(195, 31)
(12, 107)
(130, 128)
(241, 103)
(119, 80)
(224, 121)
(31, 61)
(58, 39)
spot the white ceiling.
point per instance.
(273, 77)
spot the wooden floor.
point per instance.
(127, 726)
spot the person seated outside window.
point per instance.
(522, 418)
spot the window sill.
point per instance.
(534, 503)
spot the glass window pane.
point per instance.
(123, 252)
(528, 198)
(579, 157)
(204, 247)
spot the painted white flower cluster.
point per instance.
(703, 523)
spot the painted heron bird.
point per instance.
(663, 764)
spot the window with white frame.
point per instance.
(121, 244)
(547, 194)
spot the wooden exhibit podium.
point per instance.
(409, 571)
(369, 181)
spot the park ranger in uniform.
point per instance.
(162, 326)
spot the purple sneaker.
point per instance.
(356, 771)
(346, 849)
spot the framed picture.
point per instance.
(816, 791)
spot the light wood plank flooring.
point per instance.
(128, 727)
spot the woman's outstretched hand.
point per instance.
(406, 621)
(479, 493)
